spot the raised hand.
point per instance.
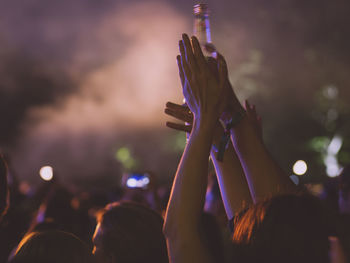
(182, 113)
(254, 118)
(203, 90)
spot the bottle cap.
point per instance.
(200, 9)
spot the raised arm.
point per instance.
(264, 176)
(233, 185)
(203, 93)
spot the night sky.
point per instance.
(82, 79)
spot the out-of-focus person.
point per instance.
(53, 247)
(128, 232)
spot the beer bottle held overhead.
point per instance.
(201, 29)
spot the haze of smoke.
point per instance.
(124, 95)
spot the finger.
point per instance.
(198, 53)
(189, 52)
(185, 67)
(246, 105)
(182, 49)
(184, 64)
(183, 108)
(254, 110)
(179, 127)
(179, 115)
(186, 70)
(187, 114)
(212, 64)
(219, 56)
(259, 121)
(181, 72)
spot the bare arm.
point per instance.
(230, 175)
(264, 176)
(233, 185)
(186, 203)
(203, 93)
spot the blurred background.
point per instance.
(83, 83)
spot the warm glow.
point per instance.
(300, 167)
(46, 173)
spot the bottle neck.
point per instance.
(202, 29)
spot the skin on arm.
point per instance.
(264, 176)
(230, 175)
(233, 185)
(203, 93)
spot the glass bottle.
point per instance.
(201, 29)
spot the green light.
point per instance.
(319, 144)
(123, 155)
(180, 141)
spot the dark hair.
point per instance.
(53, 247)
(211, 236)
(131, 233)
(286, 228)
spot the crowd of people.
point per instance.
(246, 210)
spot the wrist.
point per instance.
(234, 117)
(244, 134)
(205, 122)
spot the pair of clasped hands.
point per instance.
(206, 88)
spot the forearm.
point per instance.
(188, 191)
(264, 176)
(187, 198)
(233, 185)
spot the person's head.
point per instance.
(53, 247)
(344, 191)
(129, 232)
(286, 228)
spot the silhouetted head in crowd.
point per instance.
(129, 232)
(286, 228)
(344, 191)
(211, 236)
(53, 247)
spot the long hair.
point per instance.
(286, 228)
(52, 246)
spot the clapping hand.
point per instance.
(202, 89)
(254, 119)
(182, 113)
